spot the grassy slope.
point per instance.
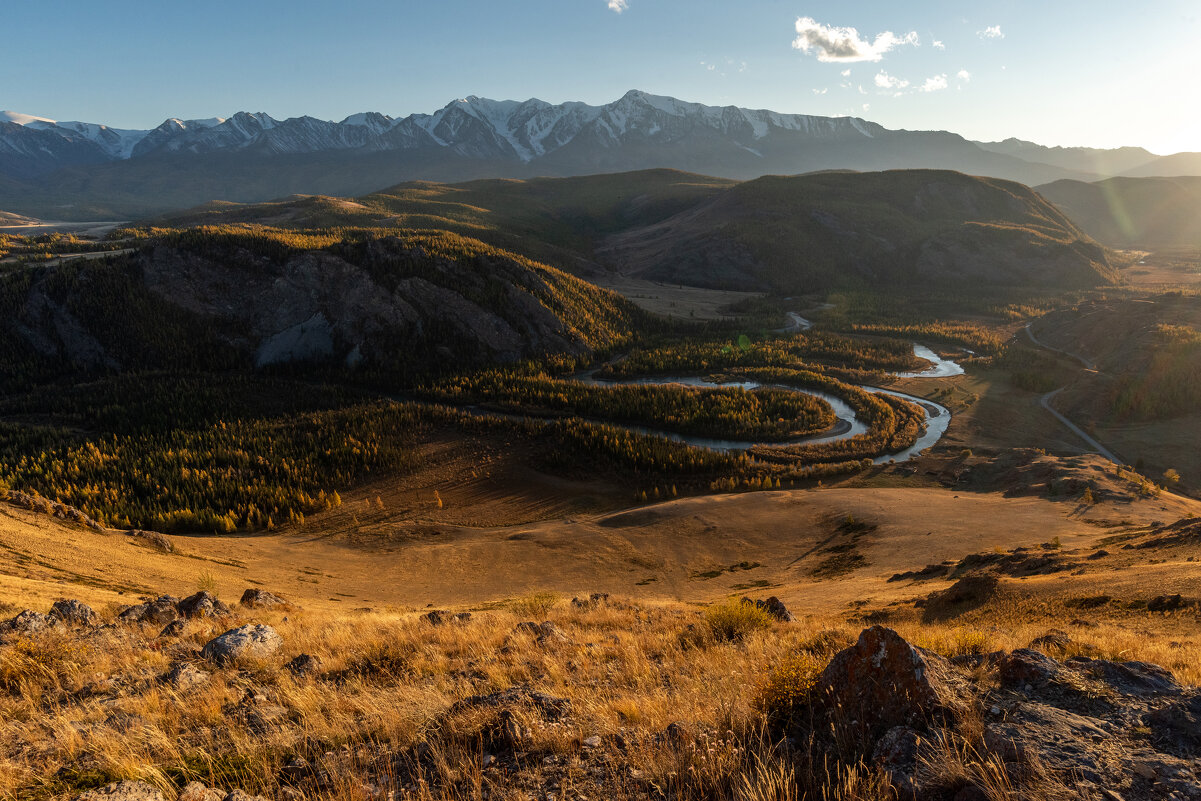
(795, 233)
(387, 679)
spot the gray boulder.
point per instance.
(196, 791)
(26, 623)
(153, 540)
(202, 604)
(160, 611)
(261, 599)
(256, 641)
(74, 612)
(185, 676)
(882, 682)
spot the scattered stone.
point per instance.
(74, 612)
(1028, 667)
(303, 665)
(297, 770)
(548, 706)
(202, 604)
(36, 503)
(675, 732)
(592, 601)
(196, 791)
(772, 606)
(896, 753)
(882, 681)
(592, 742)
(264, 718)
(160, 611)
(1100, 554)
(26, 623)
(185, 676)
(256, 641)
(1053, 640)
(242, 795)
(175, 628)
(123, 791)
(154, 540)
(261, 599)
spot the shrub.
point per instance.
(733, 620)
(536, 604)
(788, 687)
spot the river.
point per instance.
(938, 417)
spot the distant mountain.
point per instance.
(81, 170)
(1133, 212)
(785, 234)
(1080, 159)
(1178, 164)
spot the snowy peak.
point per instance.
(116, 143)
(17, 118)
(472, 127)
(373, 121)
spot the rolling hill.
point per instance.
(1133, 212)
(783, 234)
(218, 300)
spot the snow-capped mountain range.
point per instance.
(473, 127)
(80, 168)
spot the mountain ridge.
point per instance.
(81, 170)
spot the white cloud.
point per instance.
(619, 5)
(964, 76)
(886, 81)
(846, 73)
(939, 45)
(820, 91)
(935, 83)
(843, 44)
(991, 32)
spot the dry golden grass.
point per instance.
(82, 709)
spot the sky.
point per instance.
(1055, 72)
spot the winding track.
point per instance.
(1045, 400)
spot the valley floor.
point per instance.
(789, 543)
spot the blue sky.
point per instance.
(1059, 73)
